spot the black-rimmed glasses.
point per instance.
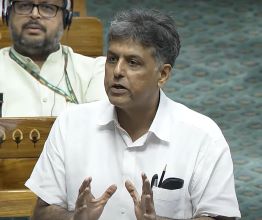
(44, 9)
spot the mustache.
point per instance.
(29, 23)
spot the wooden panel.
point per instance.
(85, 36)
(18, 160)
(80, 8)
(15, 172)
(27, 129)
(4, 36)
(16, 203)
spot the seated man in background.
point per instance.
(38, 75)
(139, 130)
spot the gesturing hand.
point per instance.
(87, 206)
(144, 205)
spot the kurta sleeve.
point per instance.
(96, 90)
(47, 180)
(213, 187)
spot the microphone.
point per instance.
(1, 102)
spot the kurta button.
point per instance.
(44, 99)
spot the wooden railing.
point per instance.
(21, 142)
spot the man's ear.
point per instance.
(165, 73)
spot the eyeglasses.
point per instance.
(44, 9)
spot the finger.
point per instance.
(144, 177)
(83, 197)
(132, 191)
(108, 193)
(150, 213)
(85, 194)
(146, 188)
(149, 205)
(85, 184)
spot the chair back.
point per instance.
(80, 8)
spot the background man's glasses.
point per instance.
(44, 9)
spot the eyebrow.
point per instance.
(51, 2)
(125, 55)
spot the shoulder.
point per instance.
(4, 60)
(82, 59)
(194, 120)
(83, 113)
(4, 51)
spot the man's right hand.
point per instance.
(87, 206)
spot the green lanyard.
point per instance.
(71, 97)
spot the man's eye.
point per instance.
(48, 7)
(23, 5)
(111, 59)
(134, 62)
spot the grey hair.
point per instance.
(151, 28)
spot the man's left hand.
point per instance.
(144, 204)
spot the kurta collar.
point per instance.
(108, 114)
(160, 126)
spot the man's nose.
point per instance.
(119, 69)
(35, 12)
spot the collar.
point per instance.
(108, 114)
(160, 126)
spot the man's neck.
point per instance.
(39, 61)
(136, 122)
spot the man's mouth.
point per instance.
(33, 27)
(118, 89)
(118, 86)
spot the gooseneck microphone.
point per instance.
(1, 103)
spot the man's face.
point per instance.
(132, 76)
(34, 31)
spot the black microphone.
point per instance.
(1, 102)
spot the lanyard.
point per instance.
(71, 97)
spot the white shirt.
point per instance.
(25, 96)
(87, 141)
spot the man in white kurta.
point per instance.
(93, 159)
(190, 144)
(39, 76)
(26, 96)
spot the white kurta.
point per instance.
(87, 141)
(25, 96)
